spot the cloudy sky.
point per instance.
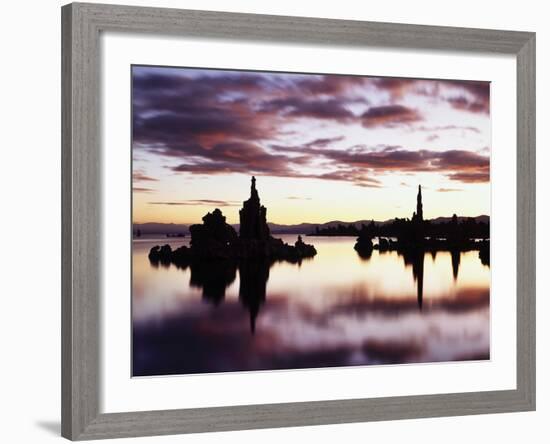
(322, 147)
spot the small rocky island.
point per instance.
(416, 235)
(216, 239)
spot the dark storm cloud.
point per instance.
(172, 110)
(216, 122)
(395, 87)
(332, 109)
(193, 202)
(447, 190)
(446, 128)
(465, 104)
(323, 142)
(456, 164)
(460, 160)
(231, 157)
(353, 175)
(468, 95)
(138, 176)
(330, 84)
(389, 115)
(168, 88)
(169, 131)
(471, 177)
(172, 113)
(480, 91)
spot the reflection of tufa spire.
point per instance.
(253, 276)
(455, 262)
(418, 275)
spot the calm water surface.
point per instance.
(336, 309)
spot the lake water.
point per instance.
(336, 309)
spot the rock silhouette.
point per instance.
(180, 257)
(484, 254)
(253, 222)
(416, 234)
(216, 252)
(337, 230)
(419, 215)
(364, 245)
(216, 239)
(303, 249)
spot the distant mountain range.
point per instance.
(303, 228)
(161, 228)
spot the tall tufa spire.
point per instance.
(253, 224)
(253, 191)
(419, 214)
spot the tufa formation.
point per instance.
(418, 235)
(215, 239)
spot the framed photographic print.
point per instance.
(278, 221)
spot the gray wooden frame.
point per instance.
(81, 171)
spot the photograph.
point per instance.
(285, 221)
(271, 222)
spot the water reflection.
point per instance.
(455, 258)
(252, 291)
(337, 309)
(416, 260)
(213, 277)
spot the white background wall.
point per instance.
(30, 208)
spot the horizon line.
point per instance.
(318, 223)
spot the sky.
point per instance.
(322, 147)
